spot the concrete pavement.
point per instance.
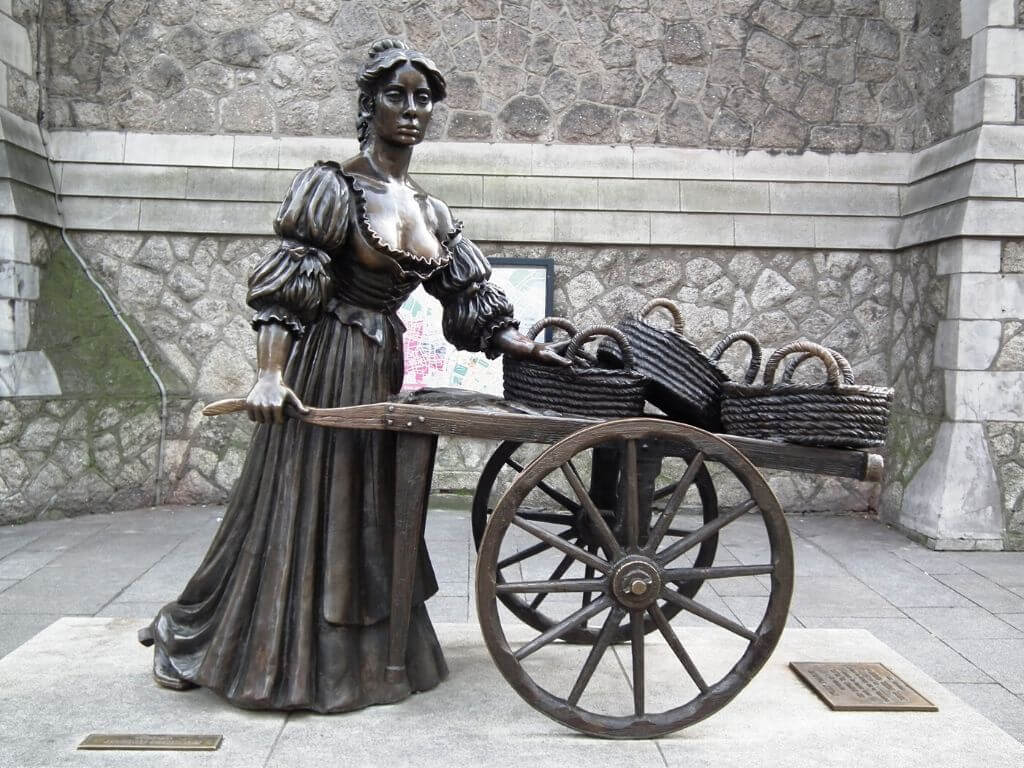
(959, 616)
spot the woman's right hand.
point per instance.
(268, 397)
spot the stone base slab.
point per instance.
(84, 675)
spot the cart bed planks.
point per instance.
(460, 413)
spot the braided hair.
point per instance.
(383, 57)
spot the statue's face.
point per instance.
(403, 108)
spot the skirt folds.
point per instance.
(290, 606)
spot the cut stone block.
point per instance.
(15, 48)
(178, 149)
(18, 280)
(986, 296)
(998, 51)
(14, 240)
(955, 494)
(986, 100)
(256, 152)
(985, 395)
(15, 325)
(967, 344)
(88, 146)
(963, 254)
(975, 15)
(724, 196)
(27, 374)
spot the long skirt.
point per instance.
(290, 607)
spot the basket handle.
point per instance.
(558, 322)
(671, 306)
(602, 330)
(845, 369)
(823, 354)
(755, 352)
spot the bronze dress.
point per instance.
(289, 608)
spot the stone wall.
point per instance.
(187, 294)
(22, 88)
(833, 75)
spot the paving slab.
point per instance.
(52, 684)
(916, 644)
(1006, 568)
(837, 596)
(904, 584)
(985, 592)
(973, 622)
(1016, 619)
(930, 561)
(996, 703)
(1001, 658)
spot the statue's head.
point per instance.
(398, 88)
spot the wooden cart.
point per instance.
(614, 498)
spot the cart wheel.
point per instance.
(558, 510)
(673, 685)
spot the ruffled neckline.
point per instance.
(400, 255)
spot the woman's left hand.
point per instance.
(511, 342)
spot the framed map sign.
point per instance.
(430, 361)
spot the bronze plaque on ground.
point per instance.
(178, 742)
(861, 686)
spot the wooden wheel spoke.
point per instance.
(597, 520)
(563, 627)
(661, 493)
(669, 513)
(530, 551)
(632, 494)
(555, 576)
(561, 544)
(706, 613)
(558, 585)
(548, 517)
(677, 646)
(636, 625)
(555, 495)
(588, 573)
(604, 639)
(706, 531)
(676, 575)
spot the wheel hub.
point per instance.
(636, 582)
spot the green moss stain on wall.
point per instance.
(86, 344)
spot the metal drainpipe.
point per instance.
(159, 467)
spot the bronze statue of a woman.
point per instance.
(289, 608)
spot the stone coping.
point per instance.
(971, 185)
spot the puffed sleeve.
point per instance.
(290, 286)
(474, 309)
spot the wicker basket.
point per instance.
(580, 389)
(837, 414)
(682, 381)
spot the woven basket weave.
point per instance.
(580, 389)
(683, 382)
(837, 414)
